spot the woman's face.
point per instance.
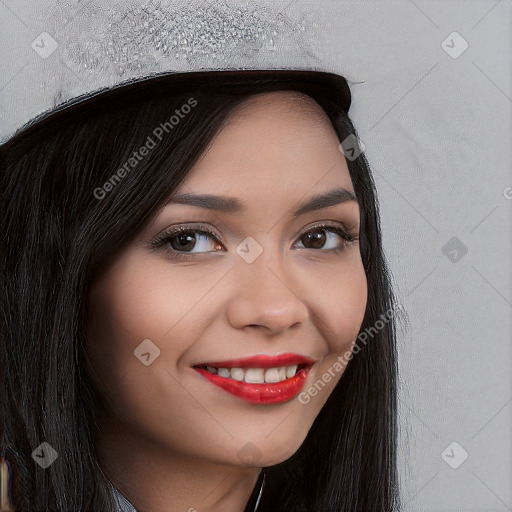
(268, 282)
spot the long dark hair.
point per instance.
(59, 235)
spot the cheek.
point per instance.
(137, 300)
(130, 303)
(339, 310)
(340, 303)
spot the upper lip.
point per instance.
(262, 361)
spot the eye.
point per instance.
(189, 241)
(182, 240)
(321, 235)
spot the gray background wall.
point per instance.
(437, 131)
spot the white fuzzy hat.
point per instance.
(96, 45)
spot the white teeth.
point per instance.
(290, 371)
(237, 373)
(272, 375)
(222, 372)
(256, 375)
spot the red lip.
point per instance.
(261, 361)
(263, 393)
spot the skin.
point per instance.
(168, 435)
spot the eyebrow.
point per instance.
(233, 205)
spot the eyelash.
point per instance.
(160, 242)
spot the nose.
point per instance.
(264, 298)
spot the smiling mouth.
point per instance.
(256, 375)
(260, 379)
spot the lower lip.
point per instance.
(265, 393)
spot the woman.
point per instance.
(192, 270)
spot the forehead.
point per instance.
(274, 145)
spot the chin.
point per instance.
(275, 454)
